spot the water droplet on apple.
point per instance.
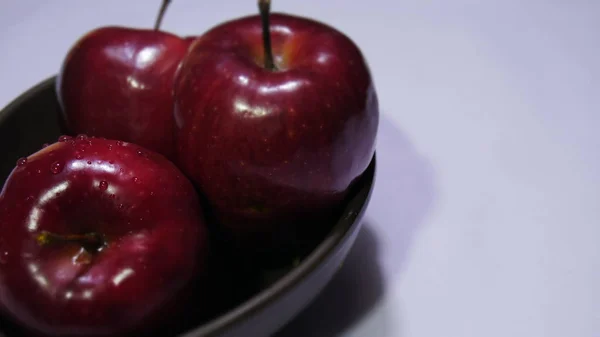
(121, 206)
(45, 145)
(64, 138)
(152, 193)
(111, 162)
(103, 185)
(78, 155)
(119, 143)
(56, 167)
(39, 171)
(136, 180)
(82, 137)
(22, 161)
(110, 147)
(89, 162)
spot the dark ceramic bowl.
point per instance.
(31, 120)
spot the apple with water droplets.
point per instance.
(98, 238)
(277, 117)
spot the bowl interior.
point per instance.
(32, 120)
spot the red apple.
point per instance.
(116, 82)
(98, 238)
(275, 133)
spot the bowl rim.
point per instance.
(357, 205)
(9, 108)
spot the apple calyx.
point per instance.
(161, 14)
(91, 242)
(264, 6)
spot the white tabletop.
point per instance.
(485, 217)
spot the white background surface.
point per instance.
(485, 220)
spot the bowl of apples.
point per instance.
(184, 186)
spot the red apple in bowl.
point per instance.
(98, 238)
(116, 82)
(277, 117)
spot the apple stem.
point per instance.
(92, 242)
(264, 7)
(161, 14)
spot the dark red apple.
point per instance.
(98, 238)
(275, 133)
(117, 83)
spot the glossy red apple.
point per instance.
(98, 238)
(275, 133)
(116, 82)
